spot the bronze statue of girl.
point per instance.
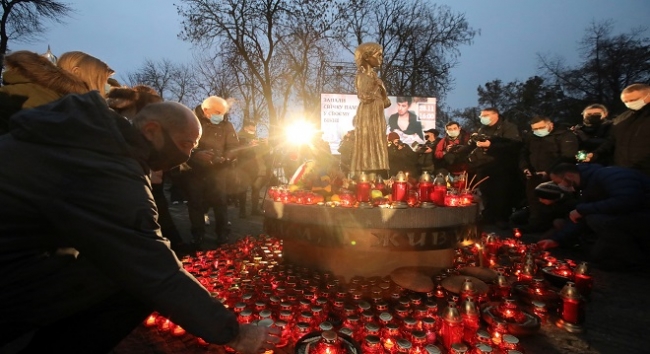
(370, 150)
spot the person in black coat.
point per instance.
(614, 205)
(544, 146)
(628, 140)
(594, 130)
(497, 144)
(401, 157)
(208, 178)
(82, 259)
(128, 102)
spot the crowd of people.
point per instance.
(87, 241)
(525, 175)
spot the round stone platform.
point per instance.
(369, 242)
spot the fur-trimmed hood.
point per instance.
(28, 67)
(124, 98)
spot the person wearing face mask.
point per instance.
(594, 129)
(449, 149)
(628, 141)
(83, 258)
(208, 178)
(611, 214)
(128, 101)
(544, 146)
(495, 156)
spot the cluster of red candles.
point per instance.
(251, 278)
(541, 280)
(403, 192)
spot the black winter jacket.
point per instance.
(612, 190)
(221, 139)
(505, 144)
(591, 137)
(629, 140)
(540, 153)
(74, 176)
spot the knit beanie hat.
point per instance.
(549, 190)
(392, 136)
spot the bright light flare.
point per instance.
(299, 133)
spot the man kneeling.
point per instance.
(614, 205)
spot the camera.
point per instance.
(479, 138)
(423, 147)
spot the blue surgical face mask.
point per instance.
(542, 132)
(453, 134)
(107, 87)
(485, 120)
(216, 118)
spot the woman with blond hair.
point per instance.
(92, 71)
(31, 80)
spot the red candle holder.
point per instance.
(471, 320)
(363, 191)
(285, 333)
(425, 189)
(400, 190)
(389, 335)
(299, 331)
(451, 330)
(328, 344)
(540, 310)
(452, 199)
(572, 309)
(439, 190)
(466, 198)
(372, 345)
(502, 288)
(412, 199)
(583, 280)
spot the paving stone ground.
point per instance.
(618, 314)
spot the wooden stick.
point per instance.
(479, 182)
(470, 182)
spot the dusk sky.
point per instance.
(124, 33)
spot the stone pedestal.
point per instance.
(369, 242)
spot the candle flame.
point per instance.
(151, 320)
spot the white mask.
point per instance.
(453, 134)
(637, 104)
(541, 132)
